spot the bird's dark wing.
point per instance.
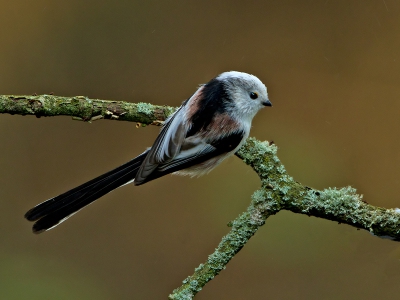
(196, 155)
(165, 147)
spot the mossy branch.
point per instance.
(84, 109)
(279, 191)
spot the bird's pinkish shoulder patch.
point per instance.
(194, 103)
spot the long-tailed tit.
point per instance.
(209, 126)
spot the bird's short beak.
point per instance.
(267, 103)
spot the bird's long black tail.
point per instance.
(50, 213)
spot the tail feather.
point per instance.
(55, 210)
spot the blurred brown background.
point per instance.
(333, 72)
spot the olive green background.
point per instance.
(332, 69)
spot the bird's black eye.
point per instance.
(253, 95)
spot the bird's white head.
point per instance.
(246, 91)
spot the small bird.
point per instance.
(207, 128)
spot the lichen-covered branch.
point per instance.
(340, 205)
(243, 228)
(278, 191)
(83, 108)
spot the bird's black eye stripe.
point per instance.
(253, 95)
